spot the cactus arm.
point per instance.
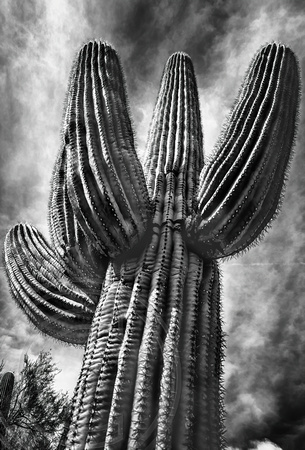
(241, 187)
(41, 288)
(84, 263)
(106, 183)
(91, 170)
(175, 141)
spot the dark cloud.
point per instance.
(266, 385)
(147, 33)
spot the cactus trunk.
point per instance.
(152, 365)
(159, 369)
(133, 268)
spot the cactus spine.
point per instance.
(6, 391)
(133, 267)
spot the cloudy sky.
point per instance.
(263, 292)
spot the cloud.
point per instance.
(264, 445)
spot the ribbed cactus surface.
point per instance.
(132, 270)
(6, 391)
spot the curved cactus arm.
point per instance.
(61, 217)
(41, 287)
(105, 179)
(86, 264)
(240, 188)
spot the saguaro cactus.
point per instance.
(132, 270)
(6, 390)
